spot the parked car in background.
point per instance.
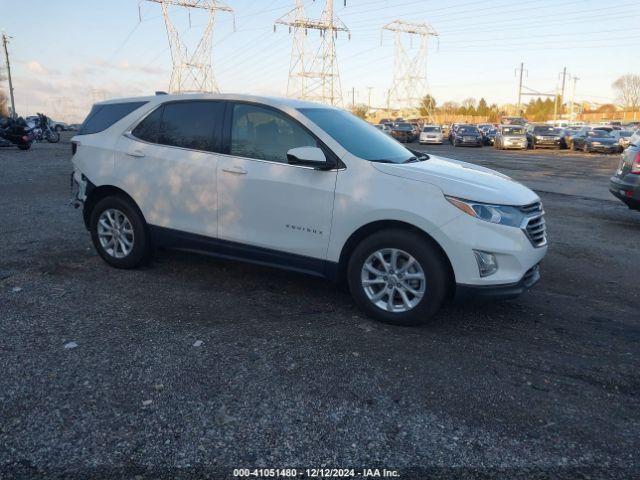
(595, 141)
(452, 128)
(623, 138)
(58, 126)
(489, 135)
(544, 136)
(403, 132)
(385, 120)
(416, 129)
(511, 136)
(513, 121)
(635, 138)
(569, 132)
(431, 134)
(467, 135)
(484, 126)
(305, 187)
(384, 127)
(625, 183)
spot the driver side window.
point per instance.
(265, 134)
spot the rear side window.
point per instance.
(195, 124)
(103, 116)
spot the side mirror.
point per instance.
(310, 157)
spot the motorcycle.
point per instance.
(16, 132)
(43, 131)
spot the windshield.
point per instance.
(431, 129)
(468, 130)
(626, 134)
(546, 130)
(512, 131)
(598, 134)
(357, 136)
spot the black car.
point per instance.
(625, 183)
(403, 132)
(467, 135)
(489, 135)
(595, 141)
(544, 136)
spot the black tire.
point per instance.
(53, 136)
(141, 249)
(429, 257)
(24, 147)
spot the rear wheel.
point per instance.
(119, 233)
(26, 146)
(398, 277)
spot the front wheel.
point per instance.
(398, 277)
(53, 137)
(118, 232)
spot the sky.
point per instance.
(67, 54)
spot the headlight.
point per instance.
(595, 143)
(499, 214)
(538, 137)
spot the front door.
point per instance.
(262, 200)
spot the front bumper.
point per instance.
(547, 144)
(499, 292)
(615, 148)
(515, 254)
(425, 140)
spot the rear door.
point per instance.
(168, 164)
(264, 201)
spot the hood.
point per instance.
(463, 180)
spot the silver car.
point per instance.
(510, 136)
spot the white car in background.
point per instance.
(431, 134)
(305, 187)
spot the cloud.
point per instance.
(36, 67)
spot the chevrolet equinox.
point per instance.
(306, 187)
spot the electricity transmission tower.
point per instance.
(192, 71)
(410, 70)
(315, 76)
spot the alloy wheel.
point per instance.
(393, 280)
(115, 233)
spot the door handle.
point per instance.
(235, 170)
(136, 153)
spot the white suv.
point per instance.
(305, 187)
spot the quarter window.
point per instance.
(149, 128)
(265, 134)
(194, 125)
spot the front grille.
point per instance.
(535, 228)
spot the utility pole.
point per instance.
(559, 95)
(573, 94)
(369, 98)
(5, 40)
(520, 88)
(353, 97)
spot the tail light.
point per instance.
(25, 138)
(635, 166)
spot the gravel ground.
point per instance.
(102, 378)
